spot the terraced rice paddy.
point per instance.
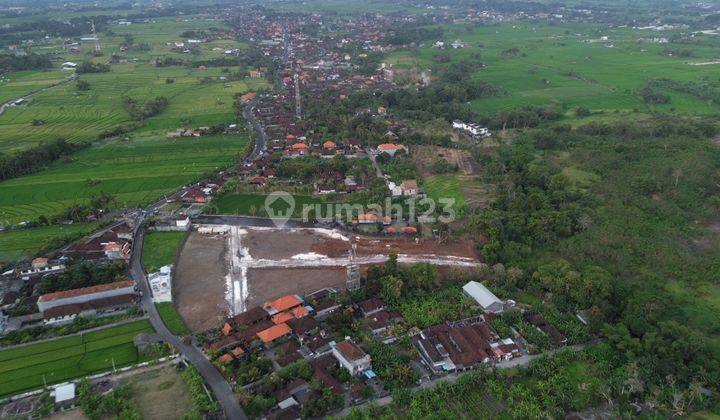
(135, 172)
(28, 367)
(25, 243)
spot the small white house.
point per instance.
(351, 357)
(182, 221)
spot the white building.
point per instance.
(475, 130)
(484, 297)
(161, 284)
(351, 357)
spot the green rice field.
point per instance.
(28, 367)
(135, 172)
(569, 66)
(25, 243)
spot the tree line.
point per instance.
(36, 157)
(11, 62)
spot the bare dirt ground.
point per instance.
(269, 283)
(74, 414)
(279, 244)
(161, 394)
(198, 283)
(226, 274)
(410, 246)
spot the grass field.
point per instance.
(171, 318)
(444, 187)
(26, 367)
(160, 248)
(25, 243)
(254, 204)
(135, 172)
(568, 66)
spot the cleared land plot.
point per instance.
(25, 243)
(274, 262)
(160, 248)
(135, 172)
(270, 283)
(26, 367)
(160, 394)
(279, 244)
(199, 282)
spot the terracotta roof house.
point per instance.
(251, 316)
(282, 304)
(85, 294)
(282, 317)
(371, 306)
(351, 357)
(390, 148)
(271, 334)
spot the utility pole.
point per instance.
(298, 108)
(353, 271)
(97, 40)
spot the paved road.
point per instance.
(260, 139)
(220, 387)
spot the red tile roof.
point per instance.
(86, 290)
(283, 303)
(273, 333)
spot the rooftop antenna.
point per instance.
(353, 271)
(97, 40)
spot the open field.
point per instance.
(569, 66)
(26, 367)
(160, 248)
(25, 243)
(160, 394)
(171, 318)
(135, 172)
(254, 204)
(199, 286)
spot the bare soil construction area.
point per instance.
(269, 283)
(198, 283)
(225, 270)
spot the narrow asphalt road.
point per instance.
(260, 139)
(220, 387)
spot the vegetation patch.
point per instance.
(32, 365)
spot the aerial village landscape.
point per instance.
(371, 227)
